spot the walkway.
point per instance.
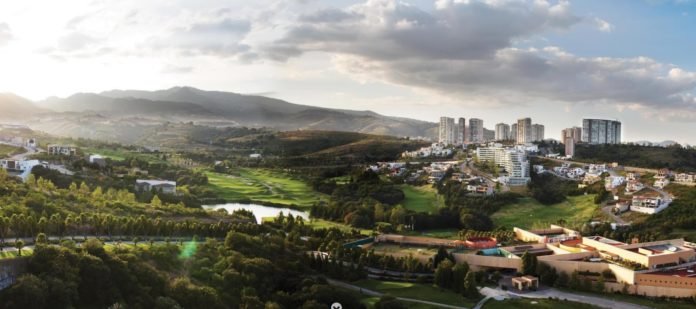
(379, 294)
(580, 298)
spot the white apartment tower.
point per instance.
(524, 130)
(461, 131)
(447, 132)
(537, 132)
(600, 131)
(502, 131)
(513, 132)
(476, 130)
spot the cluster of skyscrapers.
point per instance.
(522, 132)
(593, 131)
(459, 133)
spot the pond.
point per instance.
(259, 211)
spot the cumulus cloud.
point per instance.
(465, 49)
(5, 34)
(603, 25)
(390, 29)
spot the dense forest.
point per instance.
(237, 272)
(673, 157)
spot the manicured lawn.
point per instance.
(523, 303)
(325, 224)
(263, 185)
(528, 213)
(416, 291)
(421, 199)
(13, 254)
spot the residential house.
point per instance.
(164, 186)
(61, 150)
(685, 178)
(633, 186)
(612, 182)
(661, 183)
(648, 204)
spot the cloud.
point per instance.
(219, 37)
(465, 50)
(175, 69)
(390, 29)
(5, 34)
(603, 25)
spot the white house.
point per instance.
(685, 178)
(633, 186)
(64, 150)
(164, 186)
(648, 205)
(661, 182)
(612, 182)
(255, 156)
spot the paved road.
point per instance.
(379, 294)
(593, 300)
(608, 211)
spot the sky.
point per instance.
(499, 60)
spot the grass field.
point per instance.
(527, 212)
(420, 253)
(421, 199)
(7, 150)
(263, 185)
(13, 254)
(523, 303)
(416, 291)
(437, 233)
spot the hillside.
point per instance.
(673, 157)
(184, 104)
(13, 107)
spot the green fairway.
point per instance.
(523, 303)
(263, 185)
(418, 291)
(528, 213)
(421, 199)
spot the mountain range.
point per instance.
(97, 115)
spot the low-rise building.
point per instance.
(633, 186)
(685, 178)
(163, 186)
(612, 182)
(97, 159)
(649, 204)
(61, 150)
(661, 182)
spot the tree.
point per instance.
(470, 289)
(156, 201)
(19, 244)
(458, 274)
(41, 238)
(529, 264)
(443, 274)
(599, 285)
(28, 292)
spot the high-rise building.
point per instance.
(537, 132)
(524, 130)
(513, 131)
(569, 143)
(514, 161)
(461, 131)
(600, 131)
(447, 131)
(475, 130)
(574, 132)
(502, 132)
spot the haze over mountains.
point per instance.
(122, 114)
